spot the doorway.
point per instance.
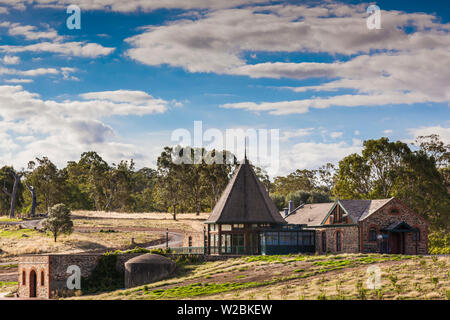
(397, 243)
(32, 284)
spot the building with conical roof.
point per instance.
(246, 221)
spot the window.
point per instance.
(226, 227)
(307, 239)
(338, 241)
(42, 278)
(238, 240)
(395, 211)
(238, 226)
(190, 242)
(324, 241)
(416, 235)
(272, 238)
(372, 234)
(24, 278)
(288, 238)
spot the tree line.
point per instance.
(419, 177)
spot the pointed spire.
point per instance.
(245, 200)
(245, 151)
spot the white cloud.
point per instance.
(216, 42)
(356, 132)
(387, 131)
(443, 132)
(10, 60)
(81, 49)
(30, 32)
(311, 155)
(132, 5)
(57, 44)
(63, 130)
(18, 80)
(348, 100)
(336, 134)
(289, 134)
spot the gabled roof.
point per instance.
(315, 214)
(245, 200)
(399, 226)
(310, 214)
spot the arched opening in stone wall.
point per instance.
(32, 284)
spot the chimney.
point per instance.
(286, 212)
(291, 206)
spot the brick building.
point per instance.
(45, 276)
(352, 226)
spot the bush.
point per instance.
(105, 276)
(439, 242)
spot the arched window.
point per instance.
(42, 277)
(338, 241)
(416, 235)
(324, 241)
(24, 277)
(373, 234)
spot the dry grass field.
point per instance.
(95, 231)
(300, 277)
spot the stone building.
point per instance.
(45, 276)
(352, 226)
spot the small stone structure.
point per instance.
(45, 276)
(147, 268)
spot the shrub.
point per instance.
(362, 292)
(439, 242)
(105, 276)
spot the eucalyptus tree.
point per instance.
(15, 189)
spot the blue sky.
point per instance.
(136, 71)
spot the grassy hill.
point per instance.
(300, 277)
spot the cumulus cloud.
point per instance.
(14, 80)
(311, 155)
(289, 134)
(81, 49)
(336, 134)
(57, 44)
(385, 66)
(30, 32)
(443, 132)
(132, 5)
(63, 130)
(10, 60)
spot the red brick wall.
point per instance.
(39, 264)
(383, 218)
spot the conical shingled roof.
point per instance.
(245, 200)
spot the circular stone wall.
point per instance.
(147, 268)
